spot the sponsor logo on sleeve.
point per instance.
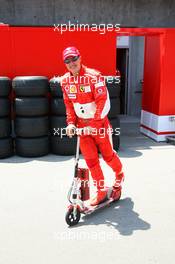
(66, 88)
(100, 84)
(100, 90)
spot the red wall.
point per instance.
(5, 52)
(167, 93)
(159, 73)
(152, 74)
(38, 50)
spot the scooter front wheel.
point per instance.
(72, 218)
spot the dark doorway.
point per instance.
(122, 66)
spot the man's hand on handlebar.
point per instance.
(70, 130)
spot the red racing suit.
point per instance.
(87, 104)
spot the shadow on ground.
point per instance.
(131, 147)
(120, 216)
(47, 158)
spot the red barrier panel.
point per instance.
(159, 65)
(38, 50)
(6, 68)
(158, 105)
(167, 94)
(152, 74)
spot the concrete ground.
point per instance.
(139, 229)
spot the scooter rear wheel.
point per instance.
(72, 219)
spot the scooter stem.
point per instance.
(77, 156)
(77, 150)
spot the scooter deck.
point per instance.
(91, 209)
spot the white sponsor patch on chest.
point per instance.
(72, 96)
(87, 89)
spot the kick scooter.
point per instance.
(79, 193)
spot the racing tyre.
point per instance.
(5, 127)
(5, 86)
(64, 146)
(25, 86)
(58, 125)
(6, 147)
(4, 107)
(58, 107)
(32, 126)
(55, 87)
(31, 106)
(32, 147)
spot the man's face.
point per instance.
(74, 66)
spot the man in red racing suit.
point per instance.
(87, 105)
